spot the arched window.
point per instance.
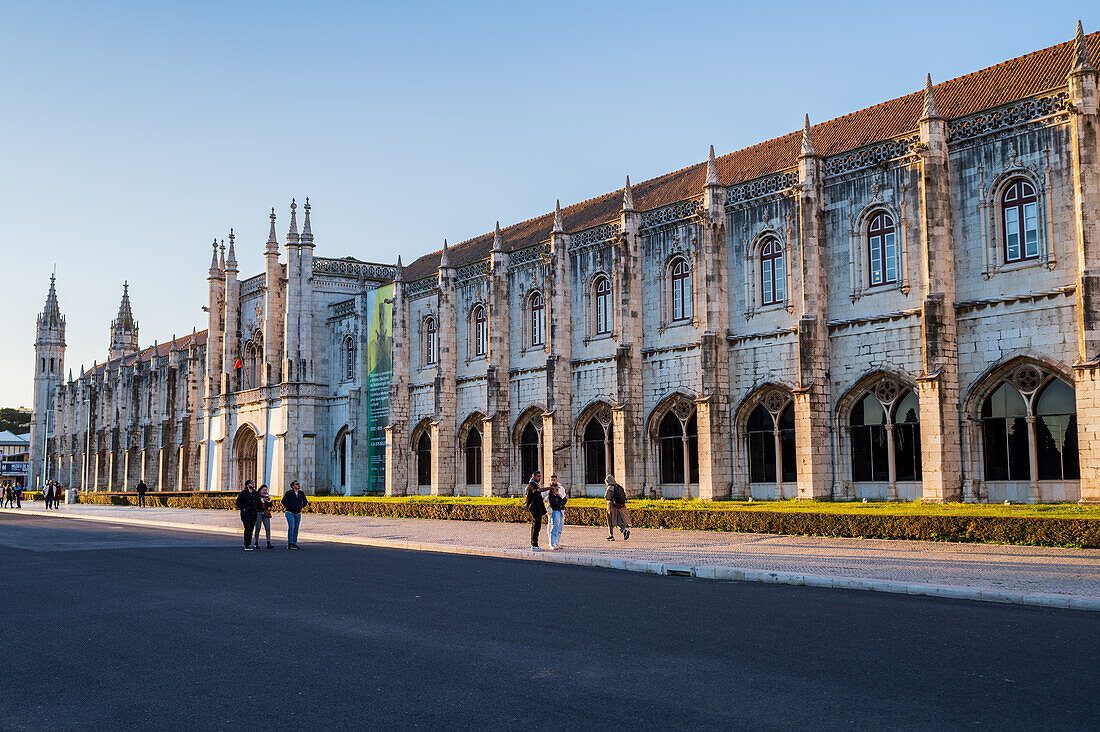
(681, 290)
(529, 451)
(480, 324)
(597, 451)
(429, 341)
(424, 460)
(537, 309)
(342, 457)
(1020, 219)
(601, 290)
(771, 445)
(885, 435)
(677, 445)
(1006, 435)
(349, 358)
(473, 456)
(51, 365)
(773, 275)
(882, 250)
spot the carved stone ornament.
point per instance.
(774, 401)
(683, 409)
(1027, 378)
(603, 416)
(887, 390)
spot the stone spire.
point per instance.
(125, 314)
(231, 258)
(124, 329)
(292, 235)
(1083, 62)
(497, 245)
(930, 109)
(444, 260)
(221, 257)
(558, 227)
(307, 231)
(399, 276)
(628, 196)
(807, 139)
(51, 314)
(712, 169)
(272, 241)
(214, 259)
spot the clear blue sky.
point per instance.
(134, 133)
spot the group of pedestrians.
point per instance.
(52, 492)
(255, 507)
(556, 495)
(12, 497)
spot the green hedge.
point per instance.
(1030, 530)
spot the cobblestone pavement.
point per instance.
(1071, 573)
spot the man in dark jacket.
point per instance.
(294, 500)
(533, 503)
(248, 505)
(141, 490)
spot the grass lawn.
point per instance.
(891, 508)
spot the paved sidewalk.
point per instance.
(1017, 574)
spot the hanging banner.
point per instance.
(379, 369)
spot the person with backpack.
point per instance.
(263, 518)
(534, 505)
(247, 504)
(558, 498)
(141, 490)
(617, 515)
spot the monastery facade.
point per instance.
(900, 303)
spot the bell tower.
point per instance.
(124, 329)
(49, 362)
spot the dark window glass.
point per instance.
(529, 451)
(350, 348)
(473, 457)
(1056, 432)
(761, 446)
(424, 460)
(595, 453)
(870, 457)
(343, 456)
(786, 443)
(1004, 435)
(907, 438)
(670, 439)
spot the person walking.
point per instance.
(5, 496)
(617, 515)
(263, 518)
(558, 498)
(141, 490)
(17, 494)
(534, 505)
(47, 494)
(294, 500)
(247, 503)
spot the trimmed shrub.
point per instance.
(1022, 530)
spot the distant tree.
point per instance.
(12, 420)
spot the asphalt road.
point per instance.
(118, 627)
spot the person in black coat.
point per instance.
(248, 504)
(534, 504)
(294, 500)
(141, 491)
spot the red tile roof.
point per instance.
(162, 349)
(1019, 78)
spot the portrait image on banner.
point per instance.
(379, 369)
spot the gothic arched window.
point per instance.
(1007, 436)
(472, 449)
(882, 249)
(773, 274)
(885, 435)
(537, 310)
(681, 290)
(480, 326)
(349, 358)
(677, 446)
(424, 459)
(529, 451)
(429, 341)
(771, 445)
(597, 451)
(601, 291)
(1020, 219)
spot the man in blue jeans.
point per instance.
(294, 500)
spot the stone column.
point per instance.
(938, 385)
(443, 426)
(1084, 91)
(557, 423)
(496, 440)
(812, 403)
(397, 431)
(712, 315)
(628, 433)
